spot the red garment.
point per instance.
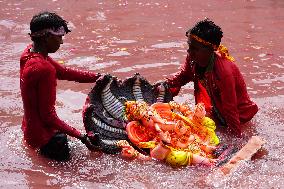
(226, 87)
(38, 80)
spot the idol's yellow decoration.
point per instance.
(211, 126)
(179, 158)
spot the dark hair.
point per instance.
(47, 20)
(208, 31)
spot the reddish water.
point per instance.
(121, 38)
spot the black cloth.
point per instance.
(57, 148)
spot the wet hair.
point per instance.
(208, 31)
(47, 20)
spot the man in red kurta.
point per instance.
(38, 77)
(217, 80)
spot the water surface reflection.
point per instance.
(125, 37)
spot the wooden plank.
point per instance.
(245, 153)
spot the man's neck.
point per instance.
(211, 63)
(38, 48)
(202, 70)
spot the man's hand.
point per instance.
(158, 86)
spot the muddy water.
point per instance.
(122, 38)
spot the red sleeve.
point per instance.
(181, 78)
(47, 98)
(229, 103)
(72, 74)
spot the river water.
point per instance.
(123, 37)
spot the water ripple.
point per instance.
(146, 66)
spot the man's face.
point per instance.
(53, 42)
(199, 53)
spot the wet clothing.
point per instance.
(225, 86)
(38, 80)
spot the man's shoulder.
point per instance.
(37, 65)
(224, 63)
(224, 67)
